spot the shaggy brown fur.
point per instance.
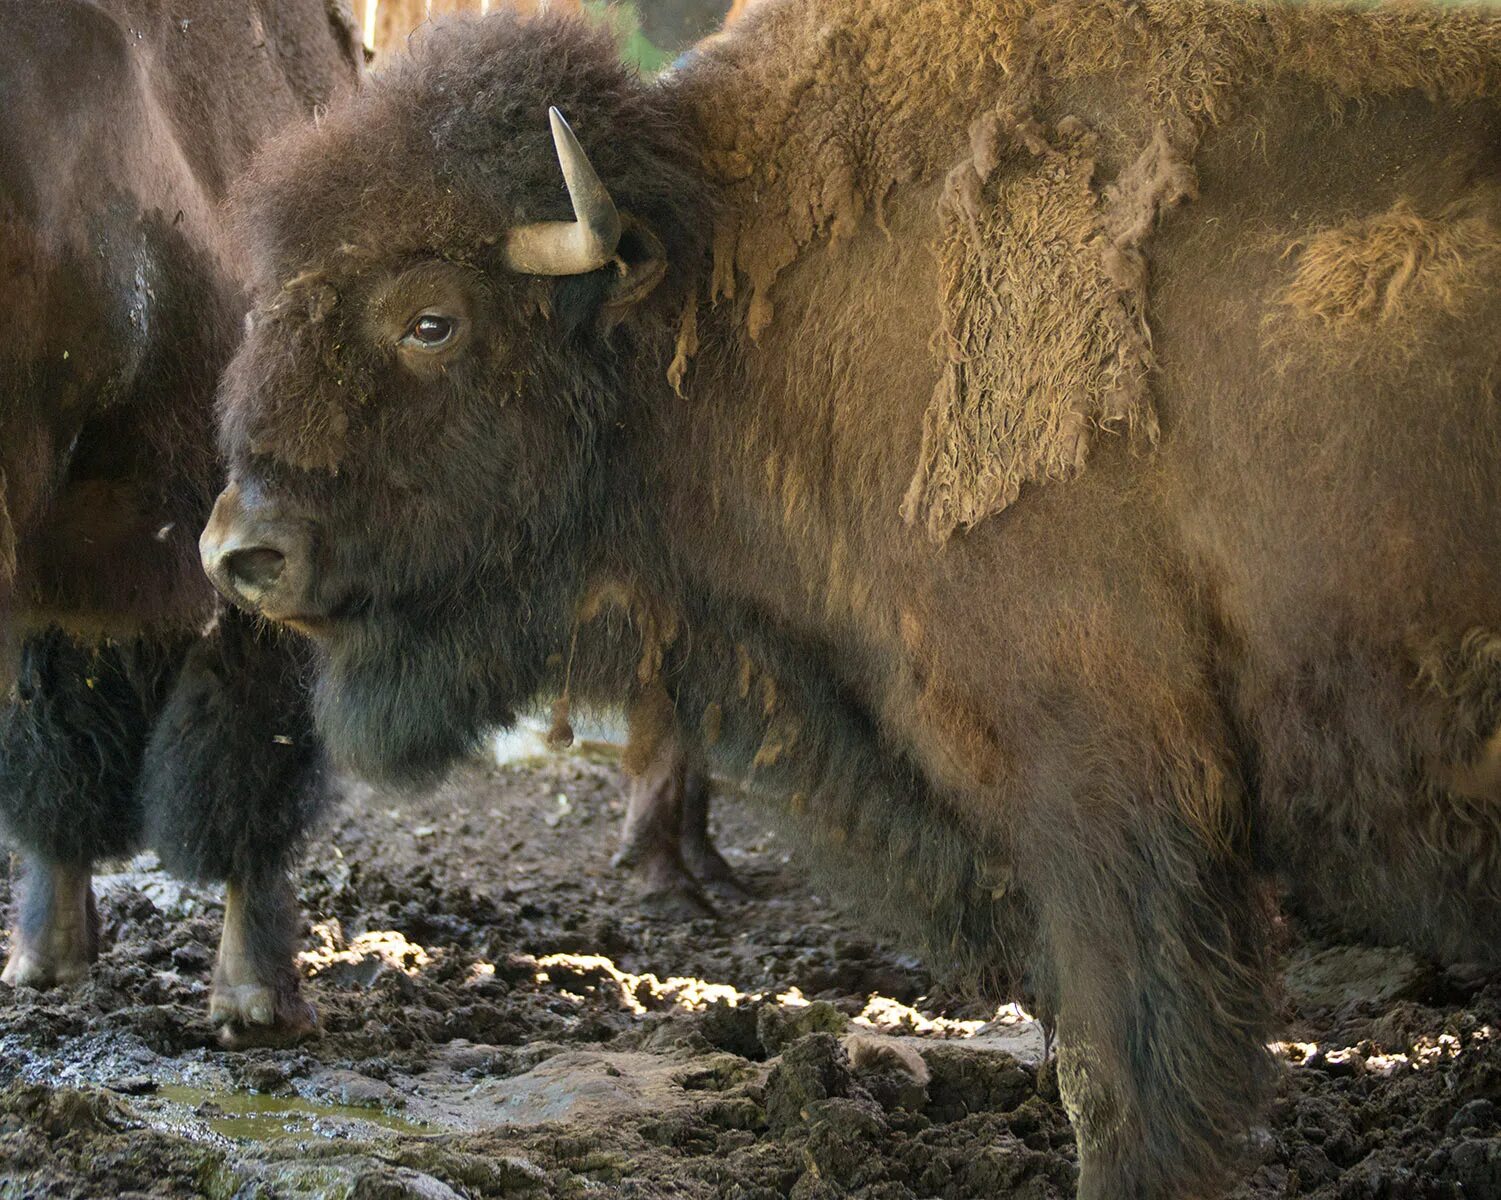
(812, 155)
(1373, 268)
(1067, 728)
(1076, 292)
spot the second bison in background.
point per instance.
(132, 709)
(1081, 507)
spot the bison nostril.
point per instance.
(255, 569)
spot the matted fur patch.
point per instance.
(1043, 293)
(813, 114)
(1380, 268)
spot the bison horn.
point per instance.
(569, 247)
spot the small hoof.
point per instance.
(676, 904)
(257, 1015)
(728, 888)
(725, 886)
(31, 967)
(715, 875)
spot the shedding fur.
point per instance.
(1036, 261)
(1383, 269)
(652, 720)
(653, 619)
(893, 1067)
(847, 107)
(871, 1052)
(712, 724)
(560, 725)
(686, 346)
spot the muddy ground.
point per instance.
(499, 1019)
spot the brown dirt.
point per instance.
(460, 1057)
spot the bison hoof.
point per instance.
(256, 1014)
(35, 968)
(676, 903)
(726, 887)
(61, 957)
(714, 874)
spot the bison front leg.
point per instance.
(1154, 968)
(703, 858)
(233, 778)
(71, 741)
(56, 935)
(651, 844)
(257, 993)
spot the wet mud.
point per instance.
(499, 1019)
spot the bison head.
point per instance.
(453, 298)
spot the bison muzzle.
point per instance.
(256, 560)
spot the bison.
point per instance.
(1050, 449)
(133, 712)
(119, 132)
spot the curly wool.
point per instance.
(836, 104)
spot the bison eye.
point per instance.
(430, 331)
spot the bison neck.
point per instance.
(775, 488)
(765, 579)
(792, 452)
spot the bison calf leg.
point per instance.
(651, 843)
(71, 741)
(232, 781)
(699, 852)
(1154, 968)
(56, 936)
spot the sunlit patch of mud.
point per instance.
(647, 993)
(385, 946)
(891, 1016)
(641, 994)
(638, 994)
(1424, 1053)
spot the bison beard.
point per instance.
(404, 700)
(819, 469)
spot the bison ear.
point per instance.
(640, 261)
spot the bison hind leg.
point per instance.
(651, 843)
(703, 858)
(665, 841)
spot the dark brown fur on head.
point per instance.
(404, 192)
(402, 172)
